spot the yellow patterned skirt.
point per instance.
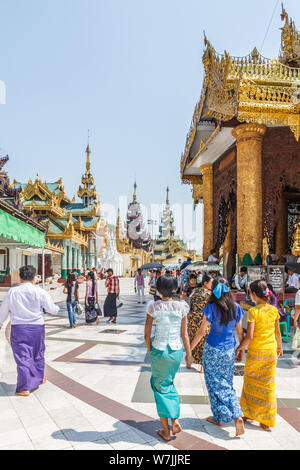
(258, 400)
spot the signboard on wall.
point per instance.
(271, 274)
(276, 278)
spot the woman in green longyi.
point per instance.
(166, 352)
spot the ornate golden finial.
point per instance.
(88, 162)
(167, 201)
(290, 42)
(255, 55)
(206, 41)
(284, 15)
(73, 200)
(134, 192)
(118, 218)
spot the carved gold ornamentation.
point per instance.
(197, 193)
(222, 96)
(193, 128)
(290, 42)
(55, 247)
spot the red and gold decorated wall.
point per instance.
(225, 187)
(281, 172)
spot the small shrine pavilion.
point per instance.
(242, 154)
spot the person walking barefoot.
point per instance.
(112, 285)
(223, 315)
(166, 352)
(25, 305)
(198, 302)
(258, 399)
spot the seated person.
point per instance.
(241, 280)
(213, 258)
(292, 285)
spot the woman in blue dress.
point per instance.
(224, 316)
(166, 351)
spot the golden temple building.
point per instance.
(169, 249)
(72, 227)
(242, 154)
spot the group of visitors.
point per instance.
(91, 301)
(205, 328)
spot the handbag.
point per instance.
(98, 309)
(78, 309)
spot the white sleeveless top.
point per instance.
(168, 318)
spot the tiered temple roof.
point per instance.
(63, 218)
(249, 89)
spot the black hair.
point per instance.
(270, 287)
(258, 288)
(206, 278)
(193, 276)
(213, 251)
(70, 279)
(91, 274)
(166, 286)
(226, 304)
(27, 273)
(110, 271)
(244, 270)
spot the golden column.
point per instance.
(208, 199)
(249, 138)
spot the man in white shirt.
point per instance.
(213, 257)
(292, 282)
(25, 306)
(241, 280)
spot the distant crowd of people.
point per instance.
(92, 307)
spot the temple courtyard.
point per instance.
(98, 394)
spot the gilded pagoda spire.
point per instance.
(134, 192)
(88, 161)
(88, 192)
(167, 200)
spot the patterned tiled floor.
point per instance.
(98, 395)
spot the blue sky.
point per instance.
(128, 70)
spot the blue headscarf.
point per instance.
(219, 289)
